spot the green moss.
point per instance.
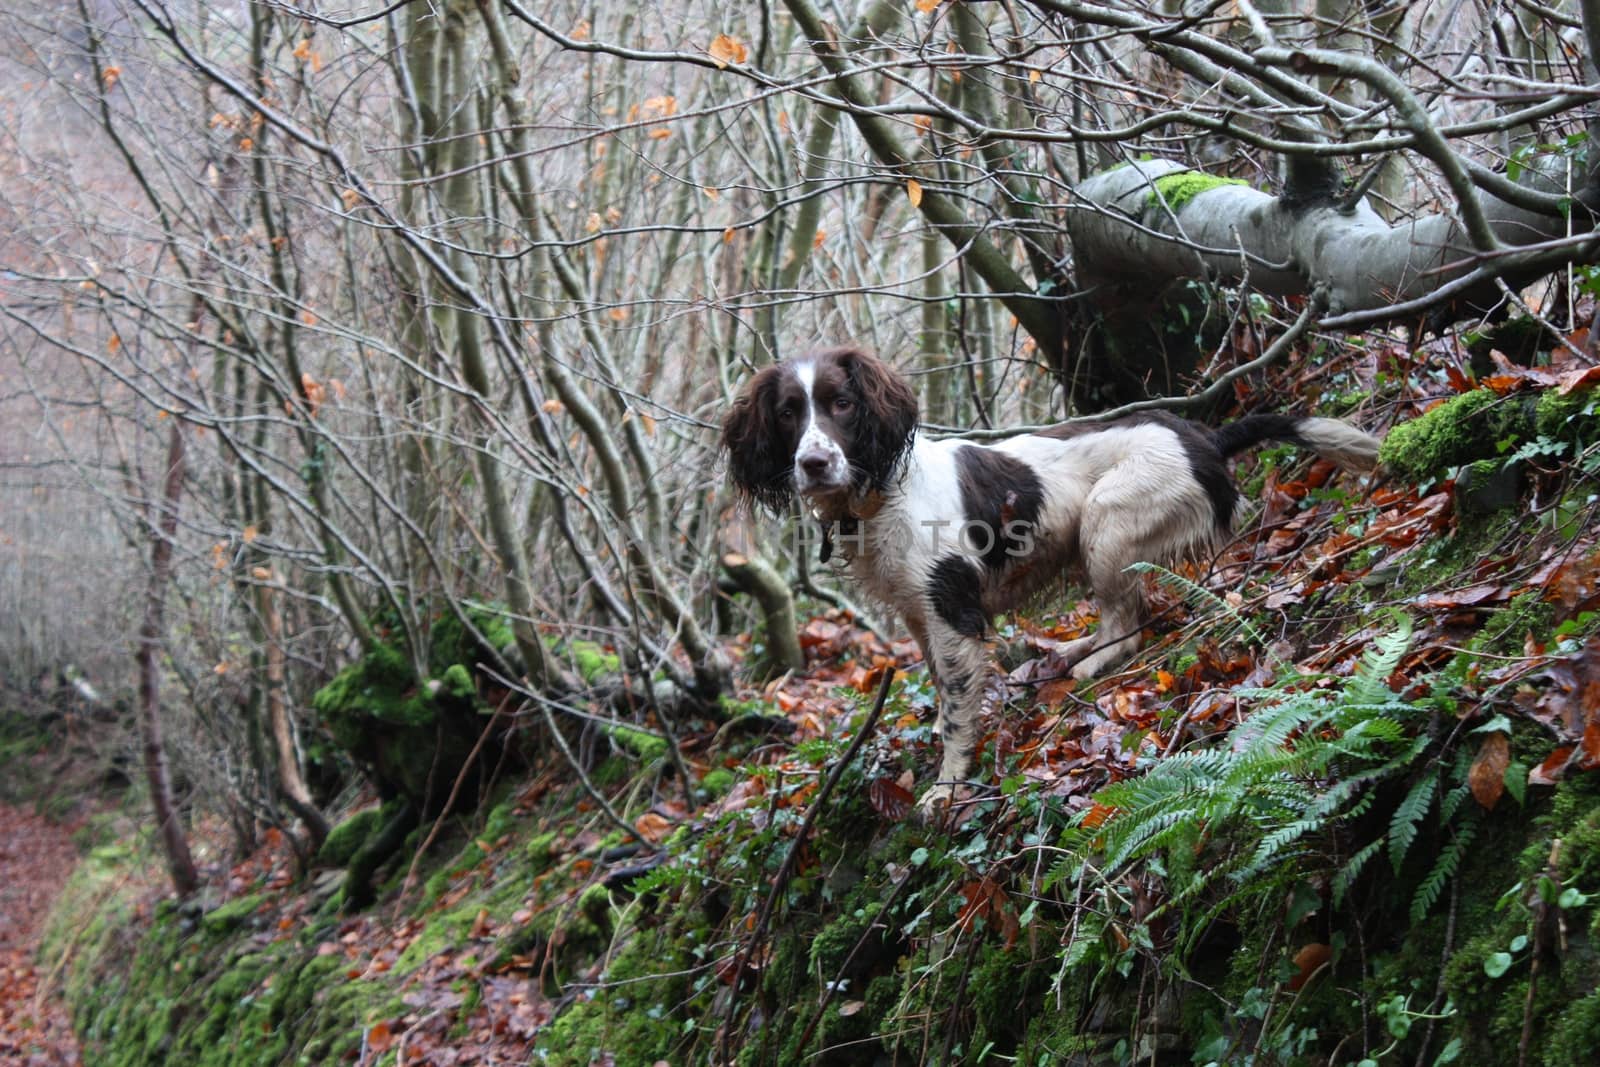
(541, 851)
(1468, 427)
(1180, 187)
(834, 942)
(633, 1013)
(1571, 417)
(343, 840)
(718, 781)
(648, 747)
(595, 905)
(594, 663)
(450, 643)
(501, 821)
(229, 916)
(456, 682)
(380, 685)
(1574, 1034)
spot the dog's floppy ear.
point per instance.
(890, 407)
(762, 471)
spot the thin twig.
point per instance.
(1274, 352)
(792, 857)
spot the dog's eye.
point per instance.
(843, 403)
(786, 414)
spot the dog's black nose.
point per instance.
(814, 465)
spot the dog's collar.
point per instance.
(856, 509)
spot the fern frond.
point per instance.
(1443, 869)
(1370, 683)
(1409, 812)
(1450, 803)
(1352, 870)
(1198, 594)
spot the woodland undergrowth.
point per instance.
(1338, 811)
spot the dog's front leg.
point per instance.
(961, 665)
(918, 625)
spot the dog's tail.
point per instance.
(1331, 439)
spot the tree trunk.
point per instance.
(163, 529)
(1365, 263)
(290, 780)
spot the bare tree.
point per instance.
(448, 298)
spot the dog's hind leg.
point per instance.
(1109, 549)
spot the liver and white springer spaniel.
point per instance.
(949, 534)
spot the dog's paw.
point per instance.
(935, 804)
(1097, 664)
(1077, 648)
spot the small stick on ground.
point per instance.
(792, 857)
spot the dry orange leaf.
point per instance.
(652, 827)
(1097, 815)
(1311, 957)
(914, 192)
(1487, 778)
(927, 6)
(1579, 379)
(725, 50)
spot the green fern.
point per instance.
(1409, 812)
(1305, 761)
(1198, 594)
(1352, 869)
(1444, 868)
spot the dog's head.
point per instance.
(827, 425)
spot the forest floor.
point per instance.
(36, 857)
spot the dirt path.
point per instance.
(35, 858)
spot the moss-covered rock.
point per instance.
(343, 840)
(415, 733)
(228, 917)
(1473, 426)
